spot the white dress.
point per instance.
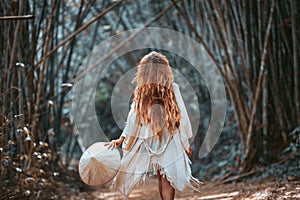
(148, 154)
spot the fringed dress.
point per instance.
(148, 154)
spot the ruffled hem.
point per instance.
(191, 183)
(142, 182)
(186, 183)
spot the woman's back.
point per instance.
(155, 138)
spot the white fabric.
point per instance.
(185, 125)
(149, 154)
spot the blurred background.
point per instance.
(254, 45)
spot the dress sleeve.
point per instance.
(185, 124)
(130, 123)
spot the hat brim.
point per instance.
(98, 165)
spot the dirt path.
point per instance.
(241, 191)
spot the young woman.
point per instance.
(155, 138)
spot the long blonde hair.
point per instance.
(154, 98)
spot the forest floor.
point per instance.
(275, 182)
(267, 189)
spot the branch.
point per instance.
(239, 176)
(81, 29)
(21, 17)
(84, 72)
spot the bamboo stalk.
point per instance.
(252, 45)
(232, 73)
(228, 48)
(258, 85)
(278, 107)
(265, 108)
(295, 59)
(236, 30)
(68, 65)
(48, 38)
(206, 47)
(259, 18)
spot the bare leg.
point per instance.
(166, 191)
(159, 177)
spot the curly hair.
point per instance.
(155, 101)
(154, 98)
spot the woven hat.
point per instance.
(99, 165)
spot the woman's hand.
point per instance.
(115, 143)
(189, 152)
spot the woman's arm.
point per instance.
(189, 152)
(115, 143)
(126, 132)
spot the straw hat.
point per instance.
(99, 165)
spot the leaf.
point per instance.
(19, 169)
(28, 138)
(55, 174)
(50, 103)
(19, 64)
(10, 142)
(67, 85)
(29, 180)
(26, 131)
(27, 193)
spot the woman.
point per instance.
(155, 138)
